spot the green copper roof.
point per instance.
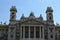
(31, 14)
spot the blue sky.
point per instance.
(26, 6)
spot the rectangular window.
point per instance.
(26, 32)
(0, 29)
(41, 32)
(31, 32)
(51, 36)
(11, 35)
(37, 32)
(22, 32)
(51, 30)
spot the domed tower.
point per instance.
(49, 15)
(13, 12)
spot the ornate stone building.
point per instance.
(30, 28)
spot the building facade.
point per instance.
(30, 28)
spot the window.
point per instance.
(59, 37)
(26, 32)
(17, 38)
(11, 28)
(31, 32)
(50, 18)
(13, 13)
(22, 32)
(51, 30)
(12, 17)
(0, 29)
(51, 36)
(11, 36)
(17, 35)
(49, 13)
(41, 33)
(59, 31)
(37, 32)
(6, 29)
(46, 37)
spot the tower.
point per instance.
(12, 24)
(50, 24)
(13, 12)
(49, 15)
